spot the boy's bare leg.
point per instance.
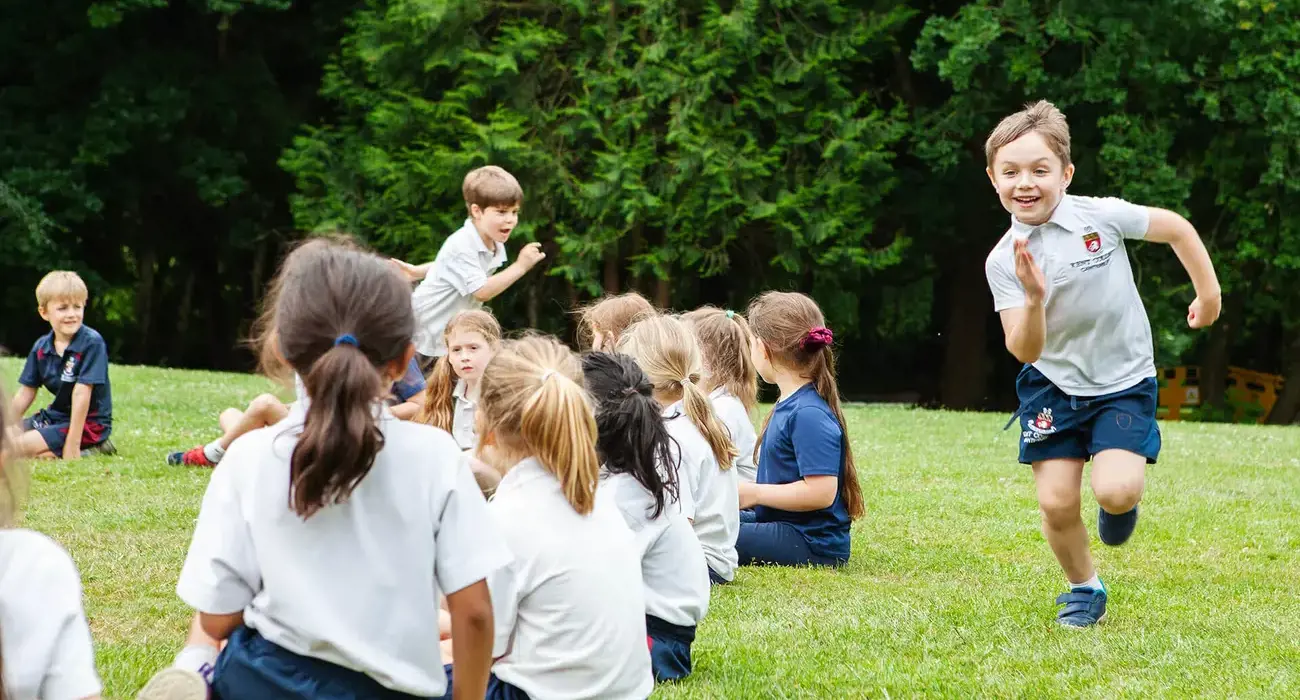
(1058, 482)
(33, 446)
(263, 411)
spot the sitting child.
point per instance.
(471, 338)
(729, 377)
(601, 323)
(45, 645)
(71, 362)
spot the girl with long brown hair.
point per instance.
(729, 377)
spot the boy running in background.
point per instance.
(1062, 283)
(460, 277)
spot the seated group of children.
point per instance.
(557, 518)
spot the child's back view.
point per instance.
(324, 541)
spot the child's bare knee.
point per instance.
(265, 406)
(1059, 509)
(1116, 496)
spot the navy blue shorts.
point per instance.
(1055, 425)
(252, 667)
(670, 649)
(497, 689)
(53, 428)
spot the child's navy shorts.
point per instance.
(53, 428)
(670, 649)
(497, 689)
(1055, 425)
(252, 667)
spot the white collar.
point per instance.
(1065, 216)
(498, 252)
(523, 473)
(673, 411)
(460, 393)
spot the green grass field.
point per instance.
(949, 592)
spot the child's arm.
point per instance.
(22, 401)
(471, 639)
(809, 493)
(77, 422)
(406, 410)
(1168, 227)
(414, 273)
(529, 256)
(1025, 327)
(219, 627)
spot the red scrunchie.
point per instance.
(817, 339)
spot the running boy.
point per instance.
(1088, 388)
(71, 362)
(462, 272)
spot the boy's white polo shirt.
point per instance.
(732, 413)
(44, 639)
(673, 568)
(357, 584)
(1098, 336)
(710, 496)
(570, 609)
(462, 266)
(462, 417)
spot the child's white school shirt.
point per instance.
(710, 496)
(357, 584)
(1098, 336)
(673, 569)
(462, 266)
(569, 609)
(732, 413)
(44, 638)
(462, 418)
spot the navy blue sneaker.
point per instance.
(1084, 607)
(1115, 530)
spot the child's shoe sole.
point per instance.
(174, 684)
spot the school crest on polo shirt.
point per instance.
(70, 368)
(1092, 241)
(1038, 428)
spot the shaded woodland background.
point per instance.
(699, 152)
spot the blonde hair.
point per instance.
(725, 343)
(612, 315)
(533, 403)
(439, 409)
(60, 284)
(13, 477)
(1041, 116)
(491, 186)
(785, 323)
(670, 357)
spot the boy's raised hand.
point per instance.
(411, 272)
(531, 254)
(1029, 274)
(1204, 312)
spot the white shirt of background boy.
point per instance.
(358, 583)
(710, 496)
(733, 415)
(673, 568)
(1098, 336)
(462, 266)
(462, 418)
(570, 609)
(44, 639)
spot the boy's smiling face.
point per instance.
(65, 316)
(1030, 178)
(495, 222)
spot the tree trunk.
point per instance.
(1287, 408)
(663, 294)
(965, 362)
(146, 267)
(1214, 362)
(610, 281)
(181, 341)
(533, 301)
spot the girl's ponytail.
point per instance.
(439, 405)
(700, 411)
(823, 376)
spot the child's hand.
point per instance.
(71, 451)
(1030, 274)
(411, 272)
(748, 495)
(1203, 312)
(530, 255)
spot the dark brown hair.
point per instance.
(491, 186)
(784, 322)
(725, 342)
(340, 315)
(439, 409)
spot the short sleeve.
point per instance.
(94, 363)
(1124, 218)
(467, 545)
(71, 672)
(31, 376)
(464, 273)
(818, 443)
(221, 574)
(411, 384)
(503, 587)
(1008, 293)
(685, 503)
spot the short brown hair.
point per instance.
(611, 315)
(1041, 116)
(60, 284)
(490, 186)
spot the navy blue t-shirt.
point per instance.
(803, 438)
(85, 361)
(409, 385)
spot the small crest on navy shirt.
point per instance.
(1092, 241)
(70, 368)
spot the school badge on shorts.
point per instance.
(1040, 427)
(1092, 241)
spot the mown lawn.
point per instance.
(949, 592)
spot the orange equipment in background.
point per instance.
(1250, 394)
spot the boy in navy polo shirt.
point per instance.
(71, 362)
(1071, 312)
